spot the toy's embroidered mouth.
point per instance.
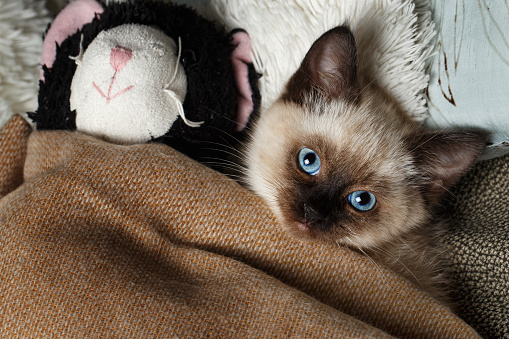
(119, 57)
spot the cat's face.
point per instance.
(343, 164)
(336, 170)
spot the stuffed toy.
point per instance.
(140, 71)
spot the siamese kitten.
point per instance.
(337, 160)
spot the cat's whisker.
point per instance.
(378, 249)
(226, 167)
(364, 88)
(240, 144)
(225, 162)
(447, 190)
(400, 238)
(432, 136)
(233, 148)
(240, 157)
(247, 128)
(272, 186)
(351, 232)
(379, 269)
(412, 274)
(279, 184)
(266, 184)
(422, 258)
(236, 177)
(221, 164)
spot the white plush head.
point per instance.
(128, 86)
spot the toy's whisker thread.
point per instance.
(177, 62)
(79, 58)
(181, 112)
(172, 94)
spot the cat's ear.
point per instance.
(444, 157)
(329, 68)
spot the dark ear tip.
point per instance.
(342, 35)
(341, 30)
(329, 69)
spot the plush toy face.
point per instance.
(128, 86)
(146, 70)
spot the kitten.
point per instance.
(337, 160)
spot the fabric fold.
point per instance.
(109, 240)
(13, 146)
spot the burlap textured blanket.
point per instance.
(99, 240)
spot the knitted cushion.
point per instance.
(479, 245)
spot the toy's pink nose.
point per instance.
(119, 57)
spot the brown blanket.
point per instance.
(99, 240)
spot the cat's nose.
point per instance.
(312, 214)
(317, 216)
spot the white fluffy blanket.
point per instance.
(393, 38)
(22, 24)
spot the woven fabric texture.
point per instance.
(479, 243)
(13, 146)
(103, 240)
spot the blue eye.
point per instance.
(309, 161)
(362, 200)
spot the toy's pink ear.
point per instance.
(73, 17)
(240, 58)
